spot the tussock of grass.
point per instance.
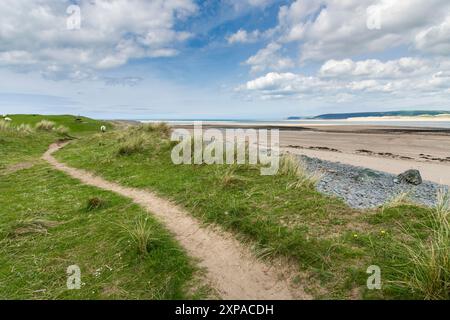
(131, 145)
(25, 128)
(161, 128)
(443, 204)
(45, 125)
(428, 272)
(22, 129)
(95, 203)
(230, 178)
(62, 130)
(290, 166)
(295, 168)
(4, 125)
(403, 198)
(142, 235)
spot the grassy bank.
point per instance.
(26, 137)
(77, 125)
(331, 244)
(49, 222)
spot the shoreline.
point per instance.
(388, 149)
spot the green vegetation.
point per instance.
(20, 142)
(331, 244)
(49, 222)
(76, 125)
(430, 277)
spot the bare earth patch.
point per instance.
(231, 267)
(16, 167)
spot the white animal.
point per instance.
(7, 119)
(103, 129)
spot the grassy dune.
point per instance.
(331, 244)
(77, 125)
(49, 221)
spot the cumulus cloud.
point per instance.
(34, 33)
(435, 39)
(374, 68)
(335, 29)
(243, 36)
(269, 58)
(348, 78)
(332, 33)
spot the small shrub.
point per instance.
(142, 235)
(95, 203)
(45, 125)
(132, 145)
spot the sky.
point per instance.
(223, 59)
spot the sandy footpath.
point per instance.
(230, 267)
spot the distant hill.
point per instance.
(341, 116)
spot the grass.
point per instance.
(403, 198)
(131, 145)
(19, 141)
(143, 235)
(430, 277)
(331, 244)
(45, 125)
(54, 222)
(49, 221)
(295, 168)
(76, 125)
(45, 228)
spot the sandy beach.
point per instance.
(384, 148)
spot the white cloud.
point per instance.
(239, 4)
(333, 32)
(243, 36)
(269, 58)
(336, 29)
(435, 39)
(374, 68)
(34, 33)
(356, 79)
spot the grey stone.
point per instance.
(375, 189)
(411, 176)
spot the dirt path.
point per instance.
(230, 267)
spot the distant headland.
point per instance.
(396, 114)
